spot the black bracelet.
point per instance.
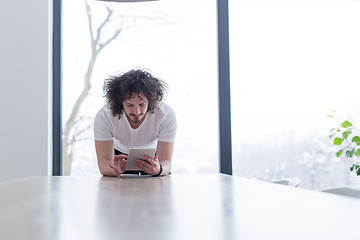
(161, 169)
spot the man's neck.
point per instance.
(135, 125)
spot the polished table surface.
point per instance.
(176, 207)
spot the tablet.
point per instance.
(135, 153)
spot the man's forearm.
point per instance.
(105, 169)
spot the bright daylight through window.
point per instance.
(169, 38)
(292, 64)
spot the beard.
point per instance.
(135, 119)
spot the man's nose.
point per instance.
(137, 111)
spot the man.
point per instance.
(134, 116)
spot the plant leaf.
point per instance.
(338, 141)
(350, 153)
(332, 130)
(347, 153)
(346, 133)
(356, 139)
(331, 136)
(357, 152)
(353, 152)
(346, 124)
(358, 172)
(338, 154)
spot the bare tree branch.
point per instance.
(72, 132)
(88, 13)
(116, 34)
(83, 139)
(89, 126)
(103, 24)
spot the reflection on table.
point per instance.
(202, 206)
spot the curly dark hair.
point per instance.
(117, 89)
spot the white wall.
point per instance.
(25, 81)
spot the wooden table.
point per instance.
(177, 207)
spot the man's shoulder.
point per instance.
(104, 110)
(104, 114)
(163, 109)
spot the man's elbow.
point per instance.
(107, 172)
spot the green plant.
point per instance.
(341, 138)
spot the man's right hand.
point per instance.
(119, 164)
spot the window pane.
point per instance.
(169, 38)
(292, 63)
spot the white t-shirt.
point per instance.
(157, 126)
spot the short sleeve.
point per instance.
(103, 126)
(168, 127)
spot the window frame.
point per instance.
(224, 111)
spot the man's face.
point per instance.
(136, 107)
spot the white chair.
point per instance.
(292, 182)
(350, 191)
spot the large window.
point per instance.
(292, 63)
(169, 38)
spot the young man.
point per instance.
(134, 116)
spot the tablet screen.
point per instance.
(135, 153)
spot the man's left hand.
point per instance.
(149, 165)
